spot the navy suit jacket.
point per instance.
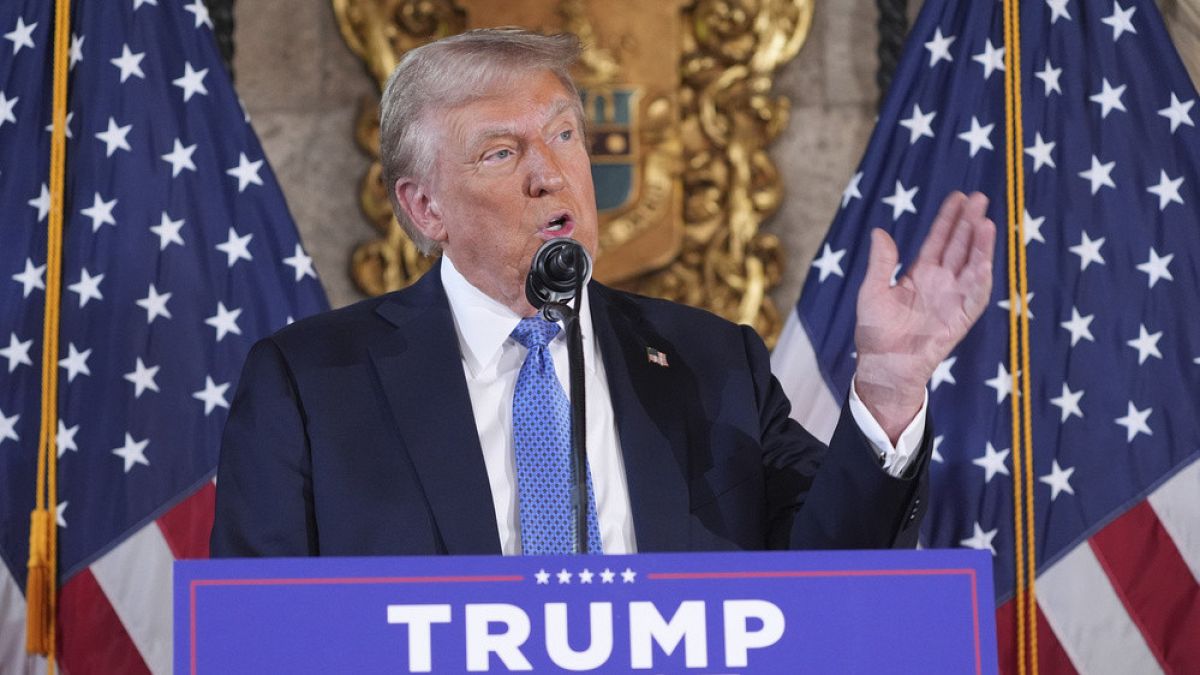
(352, 434)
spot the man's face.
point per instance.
(511, 171)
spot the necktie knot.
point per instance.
(534, 331)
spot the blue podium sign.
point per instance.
(817, 612)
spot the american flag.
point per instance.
(1112, 162)
(178, 253)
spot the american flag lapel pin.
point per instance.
(656, 357)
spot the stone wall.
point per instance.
(302, 88)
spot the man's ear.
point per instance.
(421, 208)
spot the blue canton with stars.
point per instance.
(178, 253)
(542, 439)
(1111, 156)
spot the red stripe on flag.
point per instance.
(92, 638)
(1155, 584)
(1052, 660)
(187, 526)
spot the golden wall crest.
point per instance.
(678, 96)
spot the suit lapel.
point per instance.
(650, 423)
(420, 370)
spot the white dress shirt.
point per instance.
(492, 361)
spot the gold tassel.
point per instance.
(37, 586)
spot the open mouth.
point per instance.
(558, 224)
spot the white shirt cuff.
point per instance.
(897, 458)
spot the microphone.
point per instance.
(559, 267)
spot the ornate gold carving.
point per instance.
(705, 182)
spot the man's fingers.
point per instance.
(976, 277)
(958, 248)
(881, 262)
(939, 232)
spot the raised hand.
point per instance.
(905, 331)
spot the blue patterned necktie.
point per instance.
(542, 436)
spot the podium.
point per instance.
(769, 612)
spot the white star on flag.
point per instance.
(191, 82)
(901, 200)
(130, 63)
(1049, 76)
(851, 191)
(65, 438)
(564, 577)
(75, 362)
(1146, 344)
(139, 3)
(88, 287)
(1109, 99)
(1006, 305)
(6, 109)
(1179, 112)
(59, 512)
(1058, 10)
(542, 576)
(992, 462)
(180, 158)
(1079, 326)
(1121, 20)
(628, 576)
(1058, 479)
(100, 212)
(1134, 422)
(606, 577)
(1002, 383)
(829, 262)
(1167, 190)
(978, 136)
(225, 321)
(300, 262)
(939, 48)
(17, 352)
(1068, 402)
(937, 444)
(31, 278)
(246, 171)
(981, 540)
(235, 247)
(8, 427)
(133, 452)
(1100, 175)
(942, 373)
(991, 58)
(1156, 267)
(213, 395)
(167, 231)
(155, 304)
(22, 35)
(76, 49)
(918, 124)
(142, 378)
(585, 577)
(201, 12)
(41, 203)
(115, 138)
(1040, 152)
(1032, 227)
(70, 116)
(1088, 250)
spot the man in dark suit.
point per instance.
(389, 427)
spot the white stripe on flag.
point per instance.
(136, 577)
(1089, 619)
(795, 364)
(1177, 503)
(13, 658)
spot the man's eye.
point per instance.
(503, 153)
(566, 135)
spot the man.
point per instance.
(404, 424)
